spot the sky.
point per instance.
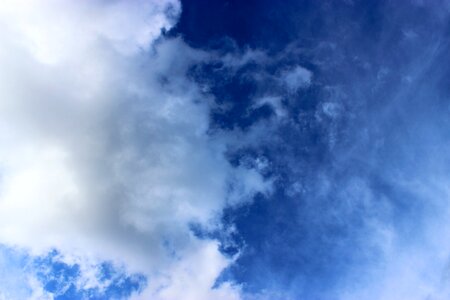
(224, 149)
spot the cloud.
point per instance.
(57, 30)
(296, 78)
(105, 153)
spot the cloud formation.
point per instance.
(105, 151)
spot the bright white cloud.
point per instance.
(55, 30)
(103, 146)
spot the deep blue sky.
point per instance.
(384, 65)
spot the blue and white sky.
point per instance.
(224, 149)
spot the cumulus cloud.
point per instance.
(104, 147)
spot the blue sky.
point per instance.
(196, 150)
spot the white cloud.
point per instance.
(54, 30)
(103, 144)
